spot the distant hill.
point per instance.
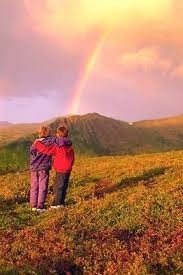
(94, 134)
(4, 124)
(13, 132)
(168, 131)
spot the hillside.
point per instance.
(100, 135)
(13, 132)
(123, 216)
(94, 134)
(170, 130)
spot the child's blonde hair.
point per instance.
(44, 131)
(62, 131)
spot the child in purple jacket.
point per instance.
(40, 165)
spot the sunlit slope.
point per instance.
(123, 216)
(4, 124)
(170, 129)
(10, 133)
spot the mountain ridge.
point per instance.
(166, 118)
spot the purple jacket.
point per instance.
(40, 161)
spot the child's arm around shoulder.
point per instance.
(48, 150)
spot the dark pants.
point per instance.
(39, 188)
(60, 188)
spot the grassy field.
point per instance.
(123, 216)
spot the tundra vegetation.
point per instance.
(123, 215)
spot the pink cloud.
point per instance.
(146, 59)
(178, 72)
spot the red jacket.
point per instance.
(63, 157)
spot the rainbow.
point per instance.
(85, 74)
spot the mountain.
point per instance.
(94, 134)
(102, 135)
(99, 135)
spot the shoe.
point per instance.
(40, 210)
(34, 208)
(57, 206)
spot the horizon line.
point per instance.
(92, 113)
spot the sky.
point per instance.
(122, 59)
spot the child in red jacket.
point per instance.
(63, 160)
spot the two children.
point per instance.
(45, 150)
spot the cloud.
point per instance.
(178, 72)
(45, 45)
(146, 59)
(31, 64)
(69, 20)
